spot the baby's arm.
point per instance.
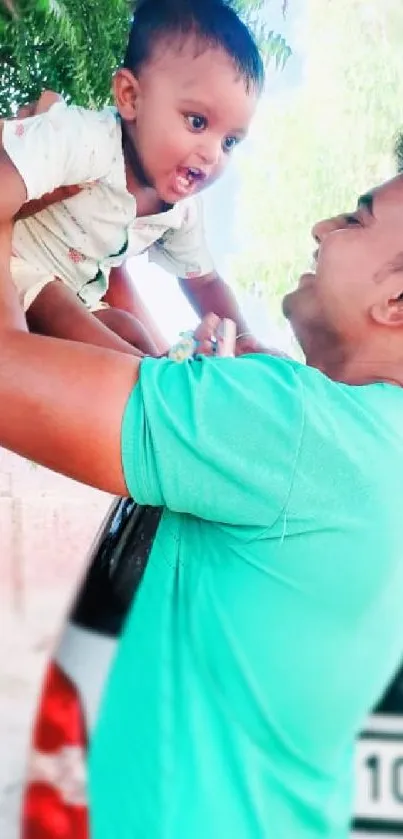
(122, 294)
(184, 251)
(209, 293)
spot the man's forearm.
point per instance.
(13, 192)
(52, 394)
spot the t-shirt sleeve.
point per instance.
(64, 146)
(184, 251)
(215, 438)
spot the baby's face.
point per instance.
(191, 110)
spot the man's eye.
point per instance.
(230, 143)
(350, 220)
(196, 122)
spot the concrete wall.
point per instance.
(47, 524)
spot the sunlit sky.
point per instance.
(159, 290)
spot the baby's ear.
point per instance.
(126, 90)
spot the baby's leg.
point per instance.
(59, 313)
(127, 327)
(53, 308)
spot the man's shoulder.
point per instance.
(331, 409)
(354, 421)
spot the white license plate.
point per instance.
(379, 778)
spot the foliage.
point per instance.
(74, 47)
(71, 47)
(319, 144)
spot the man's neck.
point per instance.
(364, 366)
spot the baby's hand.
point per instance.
(215, 336)
(212, 337)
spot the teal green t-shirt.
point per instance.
(270, 615)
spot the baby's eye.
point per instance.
(230, 143)
(196, 122)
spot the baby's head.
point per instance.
(187, 92)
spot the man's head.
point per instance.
(187, 92)
(347, 314)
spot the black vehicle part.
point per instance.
(117, 567)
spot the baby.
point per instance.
(184, 99)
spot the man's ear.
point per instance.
(126, 91)
(387, 310)
(396, 311)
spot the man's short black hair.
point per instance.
(213, 23)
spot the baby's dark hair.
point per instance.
(214, 23)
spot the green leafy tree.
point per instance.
(315, 147)
(70, 46)
(74, 47)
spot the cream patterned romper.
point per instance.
(79, 240)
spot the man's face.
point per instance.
(358, 262)
(192, 109)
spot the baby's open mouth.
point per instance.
(188, 176)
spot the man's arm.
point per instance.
(41, 106)
(13, 193)
(63, 402)
(122, 294)
(51, 137)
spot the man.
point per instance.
(270, 614)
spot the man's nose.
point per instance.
(322, 228)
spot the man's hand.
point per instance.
(46, 100)
(246, 344)
(43, 104)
